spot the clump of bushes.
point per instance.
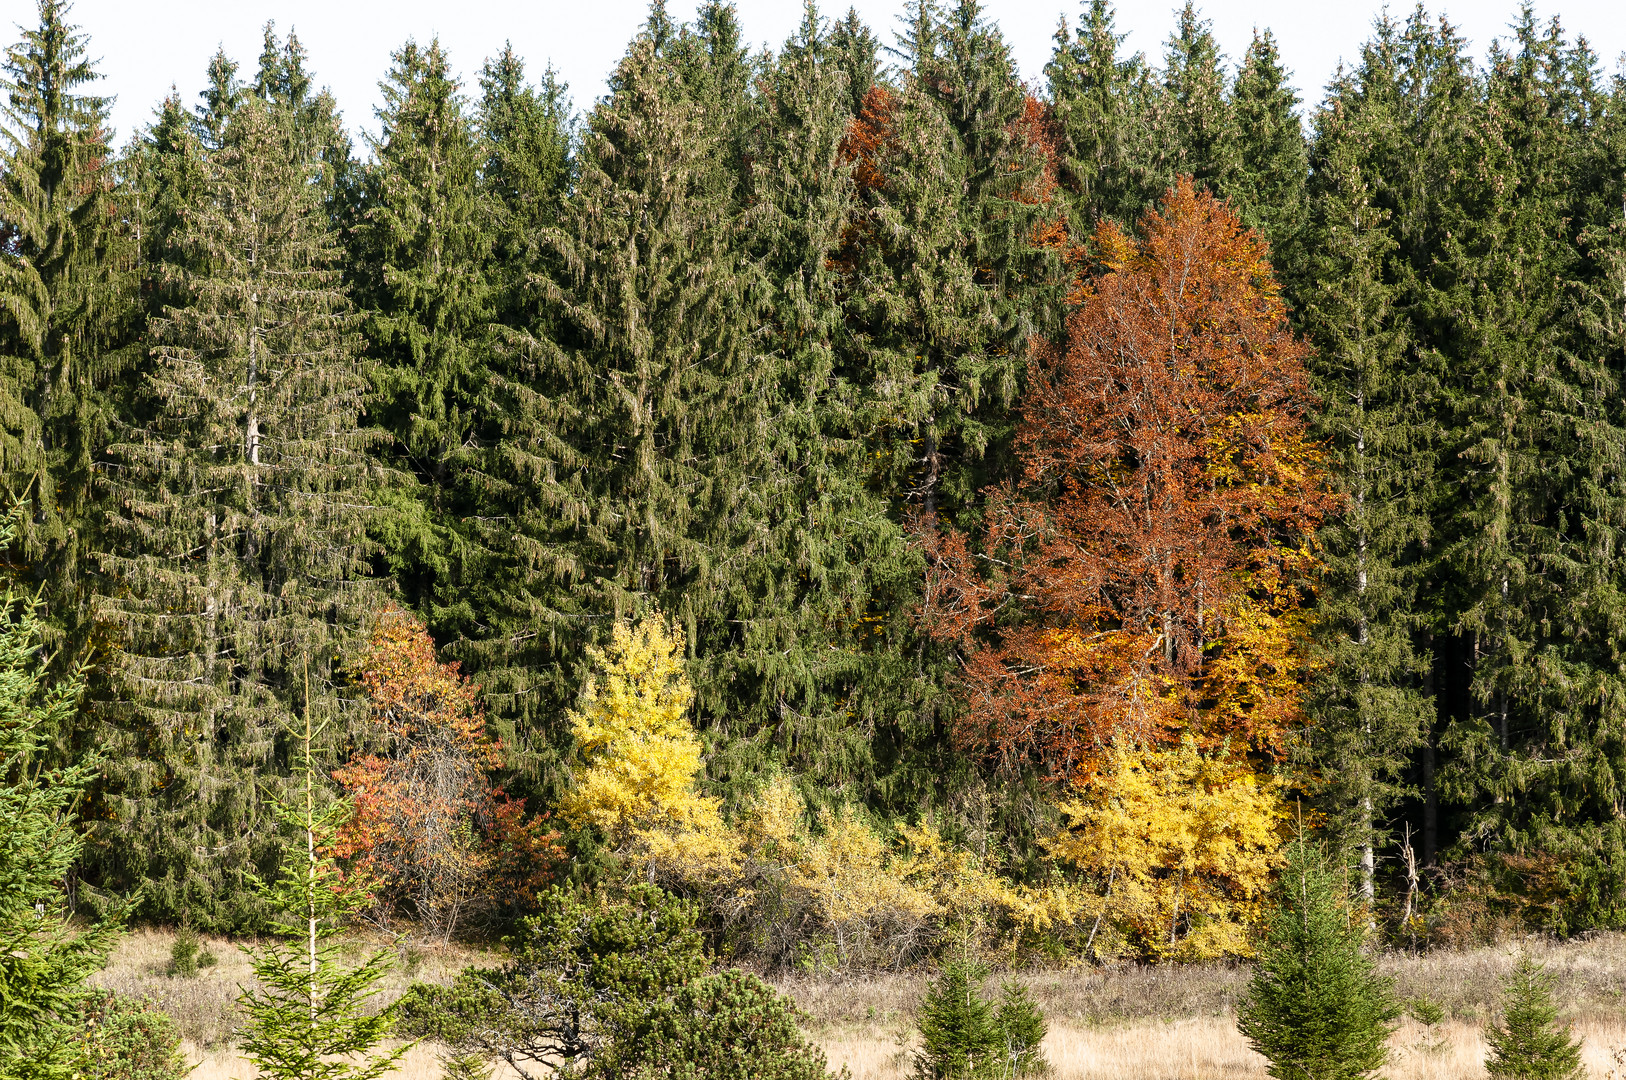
(125, 1038)
(616, 985)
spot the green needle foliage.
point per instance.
(1528, 1044)
(1316, 1008)
(243, 454)
(309, 1017)
(44, 958)
(582, 974)
(960, 1033)
(729, 1025)
(66, 307)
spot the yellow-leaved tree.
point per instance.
(1182, 845)
(640, 754)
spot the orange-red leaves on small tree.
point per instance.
(428, 823)
(1140, 579)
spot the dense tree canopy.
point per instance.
(1002, 454)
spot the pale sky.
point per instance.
(145, 46)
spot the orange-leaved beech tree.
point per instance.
(1141, 582)
(441, 839)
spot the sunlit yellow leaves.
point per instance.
(641, 754)
(1182, 845)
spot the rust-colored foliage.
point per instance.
(428, 823)
(1140, 580)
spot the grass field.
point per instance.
(1125, 1023)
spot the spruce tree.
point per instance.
(46, 951)
(245, 455)
(311, 1017)
(1368, 706)
(815, 552)
(219, 99)
(1315, 1008)
(1527, 1042)
(1195, 115)
(511, 566)
(1535, 431)
(420, 257)
(644, 387)
(66, 305)
(1267, 188)
(1103, 104)
(960, 1039)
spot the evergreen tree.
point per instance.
(1527, 1043)
(855, 52)
(960, 1039)
(951, 196)
(218, 101)
(1530, 546)
(1103, 105)
(1195, 114)
(813, 557)
(1316, 1008)
(65, 305)
(510, 564)
(1369, 709)
(646, 366)
(528, 133)
(249, 461)
(424, 247)
(48, 953)
(1267, 189)
(310, 1017)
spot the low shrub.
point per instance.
(725, 1026)
(188, 955)
(126, 1038)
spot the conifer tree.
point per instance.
(1368, 706)
(47, 952)
(1316, 1008)
(1527, 1042)
(424, 246)
(952, 196)
(1527, 547)
(66, 304)
(816, 547)
(1267, 189)
(511, 568)
(1195, 114)
(309, 1016)
(219, 99)
(1103, 104)
(961, 1040)
(245, 455)
(646, 365)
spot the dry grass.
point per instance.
(1178, 1022)
(1145, 1023)
(204, 1007)
(1209, 1048)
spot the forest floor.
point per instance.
(1175, 1022)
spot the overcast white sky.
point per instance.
(145, 46)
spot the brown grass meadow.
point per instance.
(1114, 1023)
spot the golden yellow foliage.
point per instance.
(1183, 846)
(796, 885)
(641, 754)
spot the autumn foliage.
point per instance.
(1140, 582)
(429, 824)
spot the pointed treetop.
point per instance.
(40, 73)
